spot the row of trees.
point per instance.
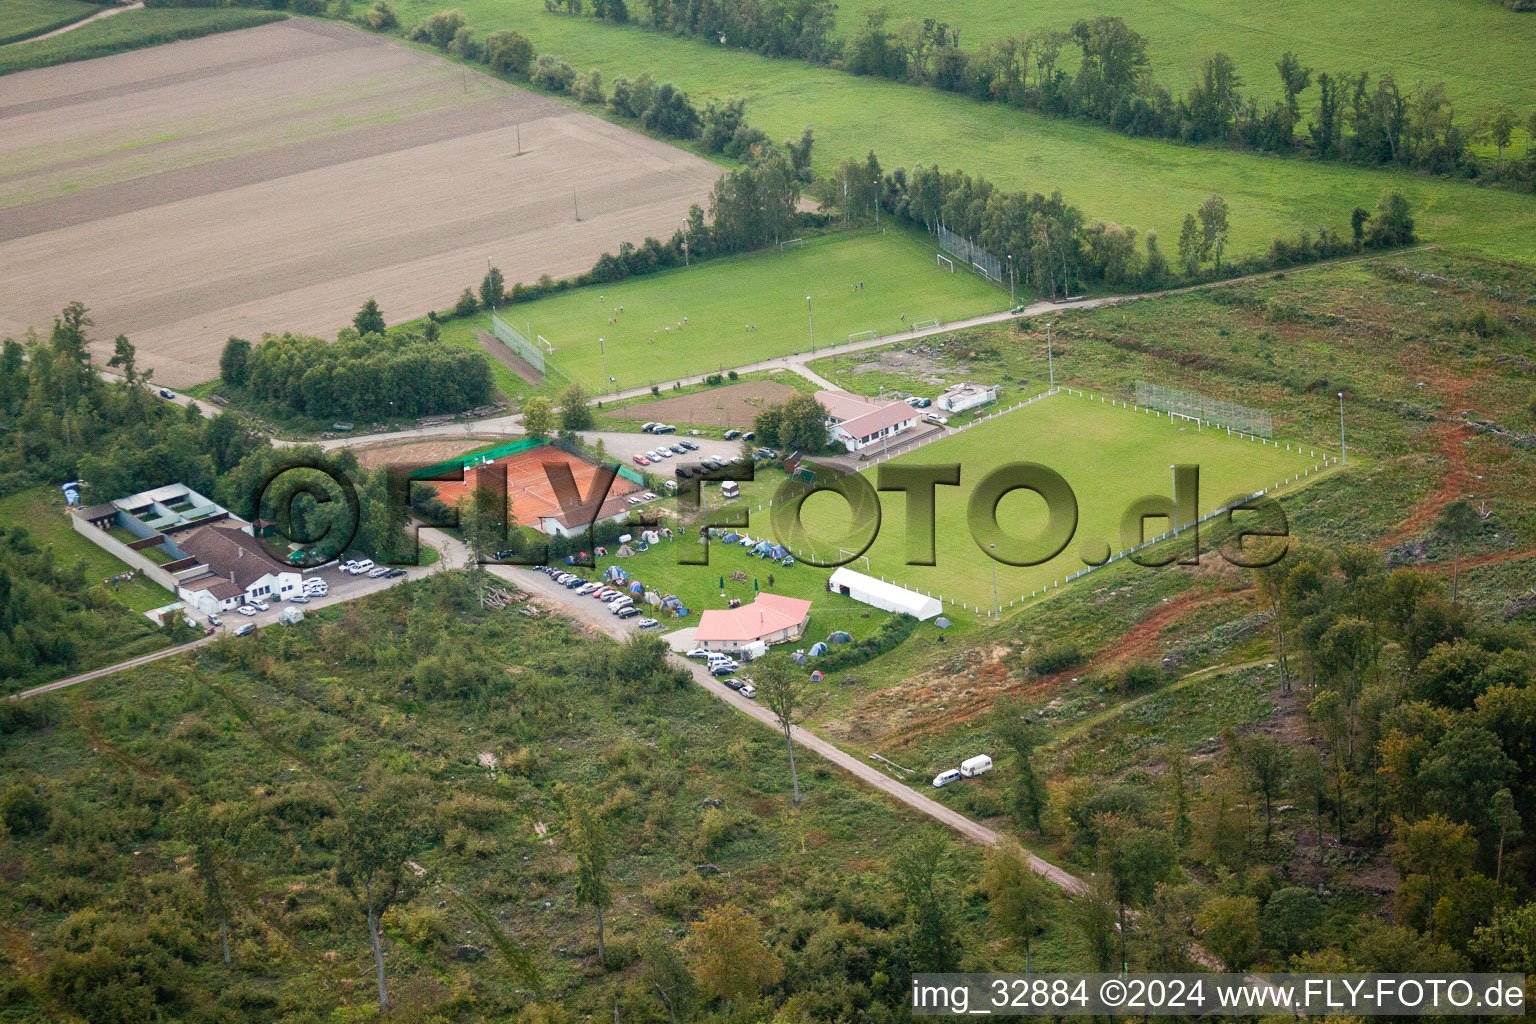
(366, 372)
(1356, 120)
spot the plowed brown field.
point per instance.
(273, 179)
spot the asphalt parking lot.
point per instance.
(342, 587)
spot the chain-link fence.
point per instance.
(1201, 407)
(982, 261)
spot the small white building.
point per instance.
(966, 396)
(858, 421)
(879, 594)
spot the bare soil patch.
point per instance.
(425, 453)
(733, 405)
(511, 360)
(275, 178)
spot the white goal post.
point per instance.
(545, 342)
(863, 336)
(922, 324)
(791, 243)
(945, 262)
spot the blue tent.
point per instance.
(731, 538)
(839, 637)
(818, 649)
(637, 587)
(615, 574)
(762, 549)
(777, 552)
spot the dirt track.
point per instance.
(273, 179)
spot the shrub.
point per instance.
(440, 28)
(553, 74)
(1054, 657)
(465, 45)
(509, 53)
(23, 811)
(890, 634)
(381, 17)
(589, 86)
(467, 304)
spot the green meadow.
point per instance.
(1108, 454)
(641, 320)
(1147, 184)
(22, 19)
(131, 30)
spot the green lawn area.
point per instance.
(720, 297)
(41, 511)
(699, 585)
(1109, 455)
(1147, 184)
(22, 19)
(131, 30)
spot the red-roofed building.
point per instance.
(769, 619)
(856, 421)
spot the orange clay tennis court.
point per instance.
(529, 491)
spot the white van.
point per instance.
(974, 766)
(618, 604)
(362, 565)
(945, 778)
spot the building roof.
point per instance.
(967, 389)
(229, 552)
(880, 594)
(860, 415)
(768, 614)
(581, 515)
(97, 511)
(218, 586)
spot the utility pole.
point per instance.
(997, 606)
(885, 444)
(604, 353)
(1175, 474)
(1343, 446)
(877, 202)
(574, 203)
(1012, 302)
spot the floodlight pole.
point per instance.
(1050, 356)
(810, 319)
(1173, 471)
(997, 607)
(877, 203)
(885, 444)
(1343, 446)
(1011, 300)
(604, 353)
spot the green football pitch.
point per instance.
(1109, 455)
(695, 321)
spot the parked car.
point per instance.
(647, 623)
(678, 449)
(362, 565)
(750, 435)
(945, 778)
(912, 400)
(665, 428)
(749, 691)
(734, 684)
(731, 435)
(298, 599)
(663, 453)
(586, 588)
(262, 606)
(721, 670)
(167, 393)
(378, 572)
(648, 426)
(618, 604)
(394, 573)
(699, 653)
(319, 591)
(246, 630)
(246, 609)
(640, 460)
(938, 418)
(683, 472)
(688, 446)
(214, 620)
(627, 613)
(923, 403)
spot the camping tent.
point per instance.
(762, 548)
(637, 587)
(777, 552)
(839, 637)
(731, 538)
(942, 622)
(615, 573)
(651, 597)
(799, 658)
(879, 594)
(651, 537)
(816, 676)
(818, 649)
(625, 551)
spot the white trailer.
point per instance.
(974, 766)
